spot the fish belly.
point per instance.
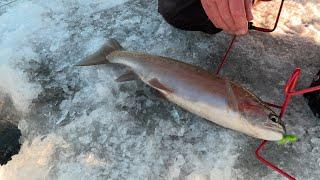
(222, 116)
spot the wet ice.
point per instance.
(79, 124)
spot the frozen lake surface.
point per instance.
(77, 123)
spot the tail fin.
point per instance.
(99, 57)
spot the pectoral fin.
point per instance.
(129, 76)
(232, 99)
(158, 85)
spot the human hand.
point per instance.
(230, 15)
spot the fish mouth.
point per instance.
(278, 127)
(283, 126)
(271, 131)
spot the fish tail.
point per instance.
(100, 57)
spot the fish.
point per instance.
(209, 96)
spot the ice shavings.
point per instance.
(83, 125)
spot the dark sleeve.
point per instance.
(186, 15)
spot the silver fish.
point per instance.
(214, 98)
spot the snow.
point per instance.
(15, 28)
(292, 22)
(80, 124)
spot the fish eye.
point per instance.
(274, 118)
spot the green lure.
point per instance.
(288, 138)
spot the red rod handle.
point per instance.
(289, 91)
(304, 91)
(269, 164)
(225, 56)
(251, 26)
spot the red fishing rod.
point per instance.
(289, 91)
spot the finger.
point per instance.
(248, 4)
(237, 9)
(224, 11)
(213, 14)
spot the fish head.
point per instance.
(257, 118)
(263, 123)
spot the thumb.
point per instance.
(248, 5)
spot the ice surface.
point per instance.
(79, 124)
(16, 26)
